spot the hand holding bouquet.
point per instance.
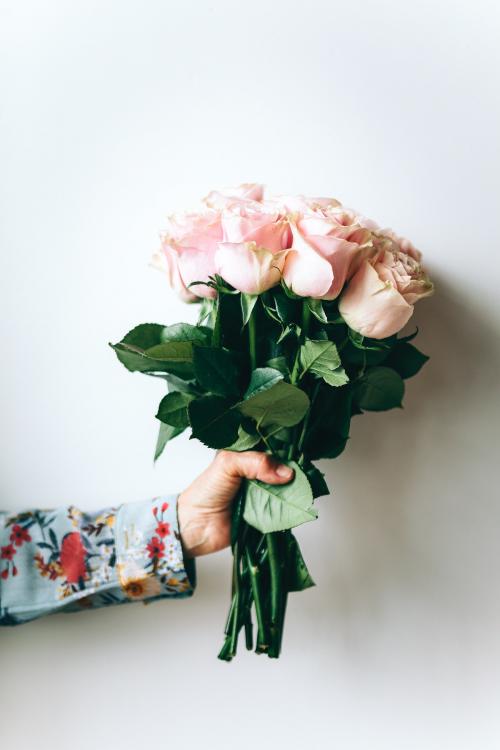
(301, 303)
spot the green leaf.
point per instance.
(187, 332)
(319, 354)
(150, 348)
(165, 433)
(292, 328)
(214, 421)
(245, 441)
(178, 384)
(217, 370)
(173, 409)
(410, 337)
(289, 310)
(406, 359)
(379, 389)
(316, 307)
(206, 310)
(280, 364)
(262, 379)
(271, 311)
(322, 359)
(282, 404)
(362, 342)
(328, 427)
(146, 335)
(297, 575)
(317, 481)
(247, 305)
(174, 357)
(275, 507)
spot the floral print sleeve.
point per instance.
(66, 560)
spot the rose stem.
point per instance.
(262, 640)
(252, 339)
(307, 417)
(284, 598)
(275, 571)
(230, 616)
(217, 332)
(247, 606)
(224, 653)
(237, 595)
(306, 317)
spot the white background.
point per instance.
(114, 114)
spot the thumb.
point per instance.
(254, 465)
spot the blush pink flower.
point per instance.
(256, 222)
(329, 244)
(379, 300)
(187, 252)
(249, 268)
(248, 191)
(304, 204)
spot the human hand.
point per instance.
(204, 508)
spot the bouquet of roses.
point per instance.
(301, 303)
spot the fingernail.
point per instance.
(283, 471)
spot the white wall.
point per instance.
(113, 114)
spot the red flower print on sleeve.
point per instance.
(163, 529)
(156, 548)
(72, 557)
(8, 552)
(19, 535)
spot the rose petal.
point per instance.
(373, 307)
(249, 268)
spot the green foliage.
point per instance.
(282, 404)
(173, 409)
(278, 507)
(323, 360)
(151, 348)
(217, 370)
(379, 389)
(262, 379)
(329, 423)
(214, 421)
(316, 480)
(316, 308)
(165, 433)
(279, 363)
(298, 577)
(406, 359)
(278, 398)
(175, 357)
(245, 440)
(248, 302)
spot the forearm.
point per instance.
(69, 560)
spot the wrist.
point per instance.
(192, 529)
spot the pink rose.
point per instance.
(256, 239)
(188, 247)
(248, 267)
(404, 245)
(379, 298)
(248, 191)
(329, 244)
(256, 222)
(166, 260)
(304, 204)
